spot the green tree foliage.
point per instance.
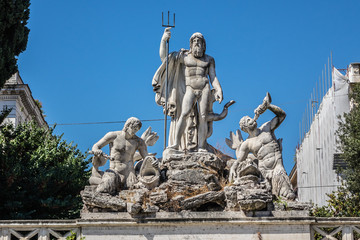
(349, 138)
(4, 113)
(341, 203)
(41, 175)
(14, 15)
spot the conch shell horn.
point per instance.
(266, 102)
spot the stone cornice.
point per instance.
(13, 91)
(8, 97)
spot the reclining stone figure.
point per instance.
(266, 149)
(123, 146)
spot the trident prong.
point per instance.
(168, 20)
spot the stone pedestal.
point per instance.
(194, 182)
(183, 225)
(248, 194)
(193, 225)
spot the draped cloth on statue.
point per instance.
(175, 92)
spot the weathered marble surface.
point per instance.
(264, 148)
(114, 189)
(101, 201)
(183, 225)
(196, 225)
(249, 192)
(186, 95)
(149, 175)
(125, 148)
(195, 181)
(192, 175)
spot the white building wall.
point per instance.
(22, 115)
(18, 113)
(11, 118)
(17, 95)
(315, 156)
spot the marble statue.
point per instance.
(192, 174)
(189, 95)
(149, 175)
(265, 148)
(123, 146)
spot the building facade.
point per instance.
(318, 157)
(17, 96)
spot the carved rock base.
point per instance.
(194, 170)
(101, 202)
(248, 194)
(194, 182)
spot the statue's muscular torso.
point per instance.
(265, 148)
(196, 70)
(122, 152)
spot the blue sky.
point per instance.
(93, 61)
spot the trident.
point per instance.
(166, 66)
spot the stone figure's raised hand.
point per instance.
(232, 174)
(131, 181)
(155, 162)
(167, 34)
(98, 153)
(262, 107)
(218, 96)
